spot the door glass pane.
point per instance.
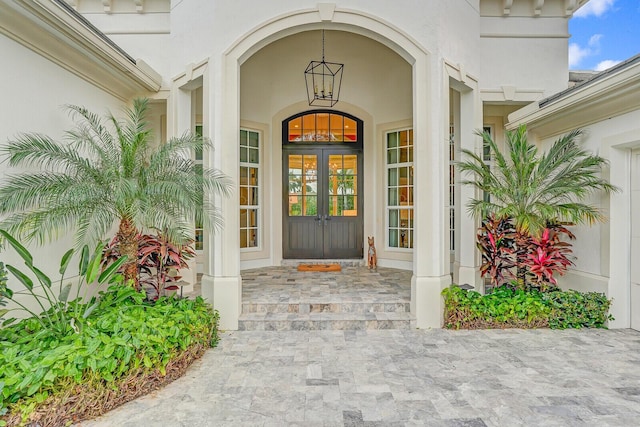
(342, 185)
(303, 185)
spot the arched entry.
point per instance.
(222, 281)
(322, 185)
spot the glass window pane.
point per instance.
(253, 139)
(253, 196)
(392, 156)
(243, 138)
(337, 127)
(253, 217)
(310, 205)
(295, 205)
(392, 140)
(404, 155)
(295, 129)
(199, 240)
(253, 238)
(243, 217)
(322, 127)
(244, 196)
(308, 127)
(253, 176)
(243, 238)
(393, 217)
(393, 177)
(350, 129)
(254, 155)
(243, 155)
(393, 197)
(404, 138)
(393, 238)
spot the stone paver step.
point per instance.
(325, 321)
(326, 307)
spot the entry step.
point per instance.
(325, 321)
(342, 262)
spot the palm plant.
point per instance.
(107, 172)
(535, 190)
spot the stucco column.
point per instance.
(179, 114)
(470, 122)
(221, 283)
(620, 247)
(430, 254)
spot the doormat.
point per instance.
(319, 267)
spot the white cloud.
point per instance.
(578, 53)
(594, 41)
(595, 8)
(606, 64)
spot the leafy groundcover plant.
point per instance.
(506, 307)
(121, 351)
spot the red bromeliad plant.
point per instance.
(496, 242)
(531, 261)
(158, 264)
(548, 255)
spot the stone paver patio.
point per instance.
(402, 378)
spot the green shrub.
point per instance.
(114, 342)
(573, 309)
(509, 308)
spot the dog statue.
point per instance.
(372, 259)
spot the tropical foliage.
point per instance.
(159, 262)
(526, 197)
(512, 257)
(532, 189)
(62, 313)
(515, 308)
(124, 349)
(107, 171)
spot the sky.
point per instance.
(603, 34)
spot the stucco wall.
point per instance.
(594, 246)
(34, 91)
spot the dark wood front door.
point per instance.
(323, 203)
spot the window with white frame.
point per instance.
(399, 185)
(452, 189)
(487, 158)
(199, 232)
(249, 189)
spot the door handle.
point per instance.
(318, 219)
(327, 218)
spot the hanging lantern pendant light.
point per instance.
(323, 80)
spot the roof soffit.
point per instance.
(55, 33)
(615, 95)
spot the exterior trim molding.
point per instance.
(58, 34)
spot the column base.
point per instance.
(225, 294)
(426, 301)
(471, 276)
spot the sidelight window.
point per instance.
(249, 189)
(399, 186)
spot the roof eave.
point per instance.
(57, 32)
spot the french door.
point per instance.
(322, 203)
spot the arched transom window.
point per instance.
(322, 127)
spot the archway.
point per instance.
(222, 282)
